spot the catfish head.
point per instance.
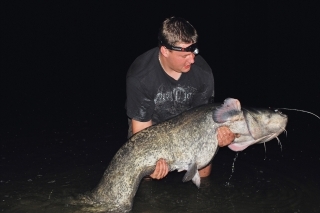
(250, 125)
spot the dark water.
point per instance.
(39, 172)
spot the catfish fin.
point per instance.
(196, 179)
(227, 111)
(191, 172)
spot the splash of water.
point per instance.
(228, 184)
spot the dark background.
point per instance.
(63, 64)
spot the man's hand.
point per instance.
(225, 136)
(161, 170)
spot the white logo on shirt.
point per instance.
(178, 94)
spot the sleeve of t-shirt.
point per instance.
(139, 104)
(206, 94)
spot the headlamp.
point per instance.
(192, 48)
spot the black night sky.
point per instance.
(63, 65)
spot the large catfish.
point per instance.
(187, 142)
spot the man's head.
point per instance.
(176, 30)
(177, 41)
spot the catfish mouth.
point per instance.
(242, 146)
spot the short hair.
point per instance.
(174, 30)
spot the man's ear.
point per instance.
(164, 51)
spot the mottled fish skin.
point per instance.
(187, 142)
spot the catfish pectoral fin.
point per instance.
(191, 172)
(196, 179)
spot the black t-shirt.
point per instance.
(153, 95)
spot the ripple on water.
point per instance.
(251, 190)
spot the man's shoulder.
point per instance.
(144, 63)
(201, 64)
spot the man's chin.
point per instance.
(186, 69)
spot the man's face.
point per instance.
(180, 61)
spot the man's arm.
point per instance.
(138, 125)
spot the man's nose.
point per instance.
(191, 58)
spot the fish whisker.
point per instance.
(279, 142)
(285, 131)
(265, 151)
(300, 111)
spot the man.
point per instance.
(168, 80)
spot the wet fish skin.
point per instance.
(187, 142)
